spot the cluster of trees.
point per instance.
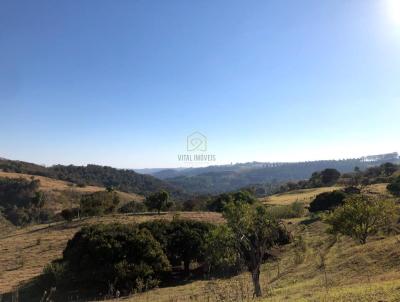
(132, 258)
(324, 178)
(218, 179)
(219, 203)
(124, 180)
(21, 201)
(129, 258)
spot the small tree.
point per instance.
(255, 234)
(394, 186)
(361, 216)
(158, 201)
(327, 201)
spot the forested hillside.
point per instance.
(124, 180)
(219, 179)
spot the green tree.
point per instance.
(361, 216)
(182, 240)
(327, 201)
(394, 186)
(124, 256)
(255, 234)
(99, 203)
(222, 256)
(158, 201)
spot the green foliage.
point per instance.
(158, 201)
(361, 216)
(327, 201)
(394, 187)
(255, 232)
(98, 203)
(125, 256)
(222, 255)
(293, 210)
(121, 179)
(18, 192)
(133, 207)
(327, 177)
(221, 201)
(182, 240)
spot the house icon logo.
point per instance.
(196, 142)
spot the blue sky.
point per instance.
(122, 83)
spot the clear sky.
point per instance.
(122, 83)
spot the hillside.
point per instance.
(93, 175)
(62, 194)
(217, 179)
(315, 267)
(25, 252)
(323, 270)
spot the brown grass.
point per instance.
(63, 192)
(304, 196)
(25, 252)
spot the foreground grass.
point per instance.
(26, 251)
(324, 268)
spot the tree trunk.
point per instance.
(255, 275)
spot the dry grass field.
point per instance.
(315, 267)
(25, 252)
(324, 269)
(307, 195)
(64, 191)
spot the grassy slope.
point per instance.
(62, 190)
(307, 195)
(25, 252)
(353, 272)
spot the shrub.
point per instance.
(98, 203)
(361, 216)
(221, 201)
(222, 256)
(133, 207)
(182, 240)
(327, 201)
(68, 214)
(125, 256)
(394, 187)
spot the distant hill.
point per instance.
(217, 179)
(94, 175)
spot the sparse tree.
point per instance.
(361, 216)
(255, 234)
(158, 201)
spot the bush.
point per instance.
(181, 240)
(222, 257)
(69, 214)
(221, 201)
(133, 207)
(394, 187)
(124, 256)
(361, 216)
(99, 203)
(327, 201)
